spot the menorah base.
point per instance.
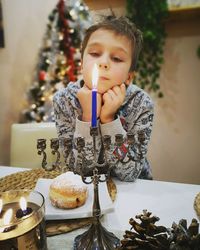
(96, 238)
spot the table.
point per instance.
(167, 200)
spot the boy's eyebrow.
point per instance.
(94, 44)
(99, 44)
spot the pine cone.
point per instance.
(183, 238)
(146, 235)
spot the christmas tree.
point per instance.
(59, 59)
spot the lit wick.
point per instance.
(94, 95)
(6, 221)
(24, 210)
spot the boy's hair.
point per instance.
(121, 26)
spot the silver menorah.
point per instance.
(96, 237)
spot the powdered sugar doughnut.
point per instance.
(68, 191)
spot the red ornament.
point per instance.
(42, 75)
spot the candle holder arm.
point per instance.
(67, 150)
(127, 155)
(55, 151)
(41, 146)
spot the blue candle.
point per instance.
(94, 96)
(94, 108)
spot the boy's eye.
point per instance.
(94, 54)
(117, 59)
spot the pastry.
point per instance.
(68, 191)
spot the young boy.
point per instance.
(113, 45)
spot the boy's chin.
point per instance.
(102, 91)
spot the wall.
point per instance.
(174, 148)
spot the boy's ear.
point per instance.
(130, 78)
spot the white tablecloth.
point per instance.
(169, 201)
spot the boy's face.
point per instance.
(112, 53)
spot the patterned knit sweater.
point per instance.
(135, 116)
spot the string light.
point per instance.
(33, 106)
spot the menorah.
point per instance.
(97, 236)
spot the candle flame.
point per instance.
(95, 76)
(23, 203)
(1, 205)
(7, 217)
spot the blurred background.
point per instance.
(40, 53)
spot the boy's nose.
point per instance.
(103, 65)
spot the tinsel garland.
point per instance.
(66, 43)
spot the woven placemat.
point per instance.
(197, 204)
(25, 179)
(28, 179)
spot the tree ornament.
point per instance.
(42, 75)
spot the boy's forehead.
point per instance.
(104, 36)
(102, 32)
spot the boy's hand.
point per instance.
(112, 100)
(85, 98)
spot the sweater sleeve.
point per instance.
(130, 170)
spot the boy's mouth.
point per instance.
(103, 78)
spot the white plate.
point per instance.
(53, 213)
